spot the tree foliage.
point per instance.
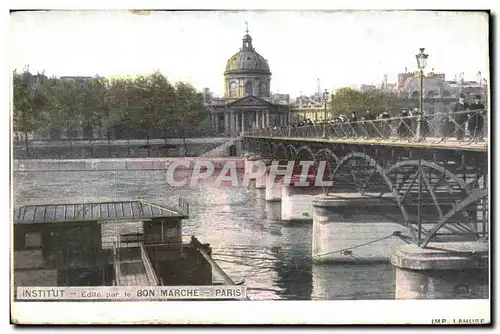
(348, 100)
(29, 102)
(125, 106)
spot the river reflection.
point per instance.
(248, 239)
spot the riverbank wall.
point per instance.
(66, 165)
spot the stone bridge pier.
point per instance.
(294, 185)
(444, 270)
(297, 195)
(296, 198)
(350, 227)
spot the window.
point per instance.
(33, 239)
(233, 89)
(431, 94)
(172, 232)
(249, 88)
(263, 89)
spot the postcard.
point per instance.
(250, 167)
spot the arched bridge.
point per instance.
(439, 184)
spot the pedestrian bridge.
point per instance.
(437, 131)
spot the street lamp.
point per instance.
(421, 62)
(325, 98)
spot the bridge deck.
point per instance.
(434, 143)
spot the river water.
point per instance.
(248, 239)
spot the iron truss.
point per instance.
(437, 194)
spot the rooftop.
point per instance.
(100, 211)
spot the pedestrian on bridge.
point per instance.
(403, 128)
(424, 130)
(369, 127)
(460, 117)
(476, 120)
(369, 116)
(353, 126)
(385, 128)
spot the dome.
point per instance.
(247, 60)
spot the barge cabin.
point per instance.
(133, 243)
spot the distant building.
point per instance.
(80, 79)
(436, 86)
(367, 88)
(33, 80)
(439, 95)
(310, 108)
(385, 86)
(280, 98)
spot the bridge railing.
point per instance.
(467, 126)
(183, 205)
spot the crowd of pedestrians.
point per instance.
(469, 119)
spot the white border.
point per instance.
(289, 312)
(256, 312)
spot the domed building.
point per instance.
(247, 90)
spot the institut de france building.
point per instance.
(246, 102)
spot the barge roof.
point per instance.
(136, 210)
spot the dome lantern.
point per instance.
(247, 40)
(247, 59)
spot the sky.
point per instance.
(339, 48)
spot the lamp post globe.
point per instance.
(421, 59)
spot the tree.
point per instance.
(113, 106)
(164, 101)
(95, 103)
(124, 106)
(29, 100)
(347, 100)
(189, 109)
(157, 102)
(65, 105)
